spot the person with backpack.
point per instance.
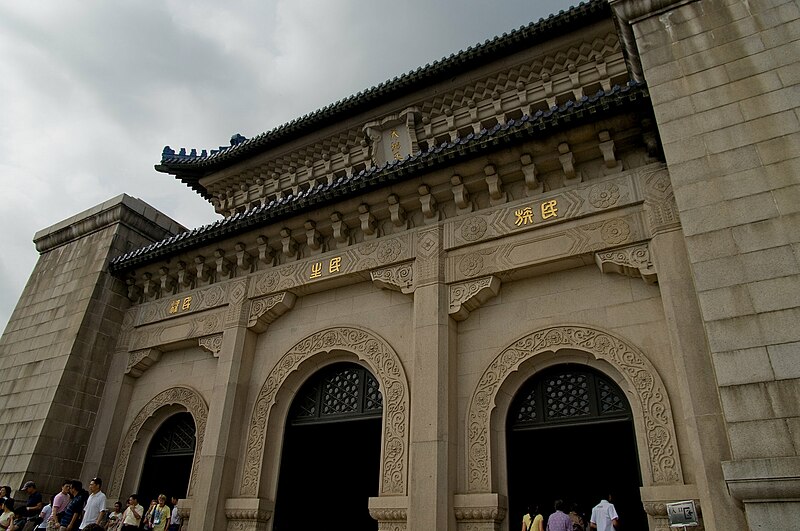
(533, 520)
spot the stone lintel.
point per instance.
(399, 277)
(471, 294)
(763, 480)
(121, 209)
(265, 310)
(632, 261)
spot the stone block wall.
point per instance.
(724, 80)
(55, 352)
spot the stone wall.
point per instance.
(55, 352)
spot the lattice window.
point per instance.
(567, 394)
(344, 390)
(175, 437)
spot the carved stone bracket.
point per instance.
(633, 261)
(391, 512)
(212, 344)
(399, 277)
(471, 294)
(479, 512)
(264, 310)
(141, 360)
(248, 514)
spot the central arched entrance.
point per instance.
(330, 465)
(570, 436)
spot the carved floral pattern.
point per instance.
(194, 404)
(471, 265)
(388, 251)
(604, 195)
(629, 361)
(473, 228)
(615, 231)
(394, 386)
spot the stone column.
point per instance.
(433, 395)
(702, 412)
(217, 467)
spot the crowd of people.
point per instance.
(604, 518)
(74, 508)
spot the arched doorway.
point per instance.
(330, 464)
(168, 464)
(570, 436)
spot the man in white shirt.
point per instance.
(604, 516)
(94, 511)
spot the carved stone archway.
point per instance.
(656, 420)
(385, 365)
(186, 397)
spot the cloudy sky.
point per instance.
(91, 91)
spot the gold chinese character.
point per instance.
(524, 216)
(549, 209)
(335, 265)
(173, 306)
(316, 270)
(394, 134)
(186, 303)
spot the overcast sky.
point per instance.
(91, 91)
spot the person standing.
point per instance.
(132, 516)
(533, 520)
(70, 517)
(604, 515)
(7, 514)
(94, 511)
(175, 519)
(60, 502)
(159, 514)
(115, 518)
(559, 521)
(33, 506)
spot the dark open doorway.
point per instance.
(168, 464)
(330, 465)
(570, 436)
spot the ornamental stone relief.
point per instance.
(633, 261)
(199, 300)
(660, 201)
(386, 367)
(141, 360)
(547, 245)
(354, 259)
(546, 209)
(212, 344)
(398, 277)
(636, 369)
(264, 310)
(470, 295)
(157, 335)
(186, 397)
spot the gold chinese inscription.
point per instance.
(334, 266)
(180, 305)
(395, 145)
(525, 216)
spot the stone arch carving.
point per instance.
(186, 397)
(385, 365)
(632, 365)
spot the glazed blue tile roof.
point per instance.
(618, 99)
(190, 165)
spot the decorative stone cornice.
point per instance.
(141, 360)
(471, 294)
(633, 261)
(763, 480)
(399, 277)
(264, 310)
(212, 344)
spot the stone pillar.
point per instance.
(723, 79)
(221, 444)
(702, 412)
(58, 345)
(433, 393)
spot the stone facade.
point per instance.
(611, 188)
